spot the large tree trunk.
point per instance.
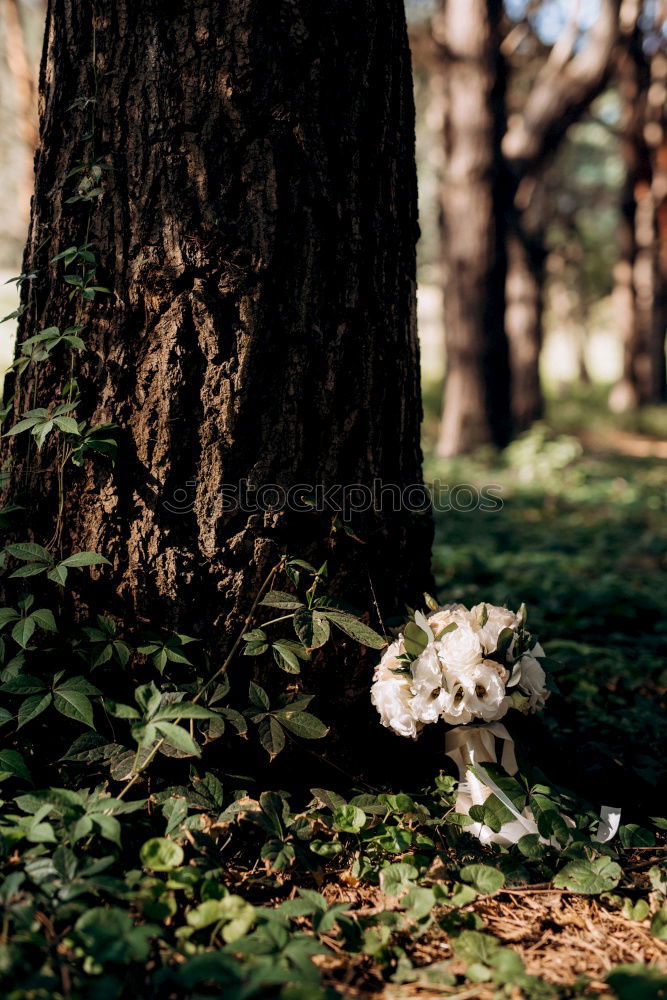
(257, 228)
(476, 394)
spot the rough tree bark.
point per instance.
(476, 393)
(258, 230)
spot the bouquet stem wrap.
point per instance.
(471, 746)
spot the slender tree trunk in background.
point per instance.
(258, 230)
(655, 131)
(640, 283)
(476, 394)
(569, 81)
(487, 191)
(523, 322)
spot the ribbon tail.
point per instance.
(610, 818)
(529, 825)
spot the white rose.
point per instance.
(392, 699)
(497, 620)
(391, 694)
(446, 615)
(390, 662)
(485, 694)
(428, 686)
(461, 650)
(454, 709)
(533, 677)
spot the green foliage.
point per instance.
(206, 884)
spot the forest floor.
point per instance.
(213, 886)
(582, 539)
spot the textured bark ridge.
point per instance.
(258, 229)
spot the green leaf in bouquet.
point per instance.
(415, 640)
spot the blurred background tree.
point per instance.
(543, 186)
(564, 194)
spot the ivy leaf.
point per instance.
(109, 827)
(161, 855)
(255, 648)
(29, 552)
(12, 765)
(303, 724)
(32, 707)
(235, 718)
(74, 705)
(58, 575)
(482, 877)
(279, 599)
(286, 657)
(349, 819)
(7, 615)
(397, 877)
(271, 736)
(356, 629)
(84, 559)
(23, 631)
(80, 685)
(311, 627)
(279, 854)
(45, 619)
(589, 877)
(258, 696)
(67, 424)
(23, 684)
(548, 818)
(255, 635)
(184, 710)
(30, 569)
(177, 737)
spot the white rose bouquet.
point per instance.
(468, 668)
(461, 666)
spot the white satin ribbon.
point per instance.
(472, 746)
(469, 747)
